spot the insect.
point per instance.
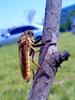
(26, 50)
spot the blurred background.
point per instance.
(19, 13)
(17, 16)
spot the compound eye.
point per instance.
(32, 34)
(28, 33)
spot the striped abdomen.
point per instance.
(25, 65)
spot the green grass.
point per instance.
(64, 83)
(13, 87)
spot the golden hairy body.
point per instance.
(25, 46)
(26, 50)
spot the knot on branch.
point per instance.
(57, 58)
(61, 56)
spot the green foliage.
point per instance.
(13, 87)
(65, 26)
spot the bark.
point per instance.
(49, 59)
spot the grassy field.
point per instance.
(13, 87)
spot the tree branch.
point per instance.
(49, 59)
(42, 85)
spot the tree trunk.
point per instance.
(49, 58)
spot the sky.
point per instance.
(14, 12)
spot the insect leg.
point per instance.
(33, 56)
(38, 40)
(42, 44)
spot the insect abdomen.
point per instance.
(25, 66)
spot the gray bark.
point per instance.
(49, 59)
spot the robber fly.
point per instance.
(26, 50)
